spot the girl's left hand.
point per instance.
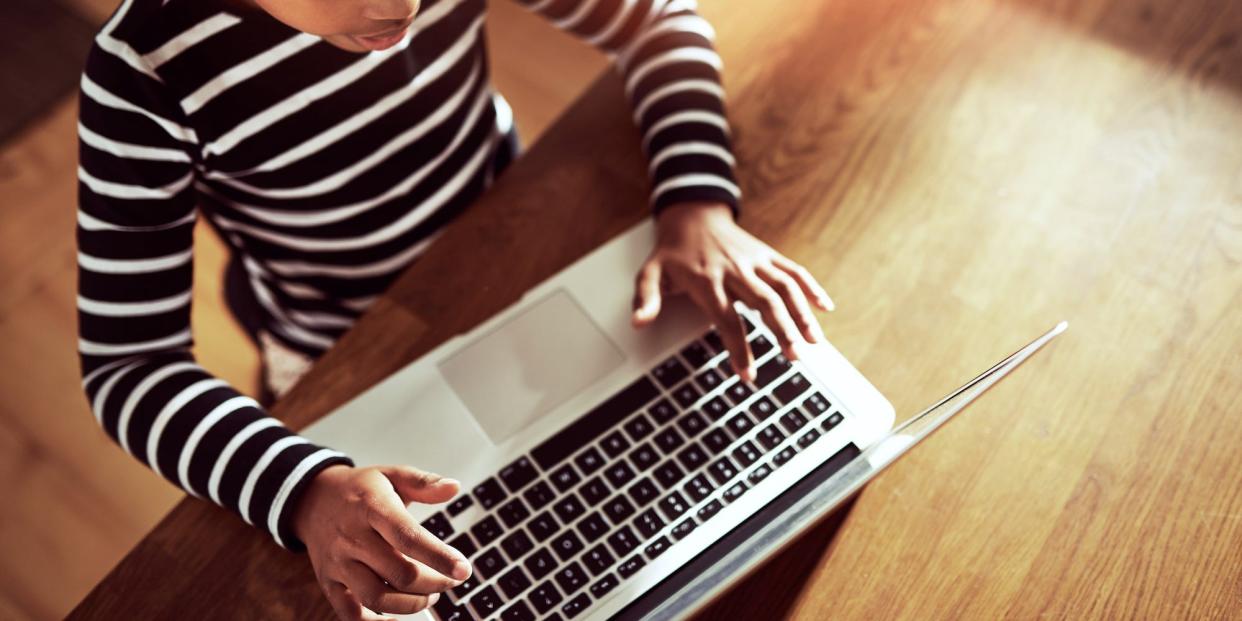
(703, 252)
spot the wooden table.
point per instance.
(961, 175)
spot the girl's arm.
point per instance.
(136, 215)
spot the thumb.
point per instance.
(414, 485)
(647, 294)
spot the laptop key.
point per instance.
(808, 438)
(792, 388)
(517, 544)
(692, 424)
(568, 508)
(657, 547)
(769, 371)
(712, 340)
(669, 440)
(465, 588)
(643, 492)
(539, 494)
(604, 585)
(697, 354)
(669, 372)
(686, 394)
(644, 457)
(630, 566)
(592, 527)
(758, 474)
(746, 454)
(614, 444)
(576, 606)
(792, 421)
(722, 470)
(544, 597)
(439, 526)
(639, 427)
(519, 611)
(513, 583)
(565, 478)
(762, 408)
(448, 611)
(709, 510)
(486, 602)
(540, 563)
(817, 403)
(669, 473)
(487, 530)
(715, 408)
(784, 456)
(516, 475)
(513, 512)
(674, 505)
(489, 493)
(760, 345)
(716, 440)
(770, 437)
(737, 392)
(684, 528)
(740, 424)
(567, 545)
(594, 491)
(489, 563)
(618, 509)
(698, 488)
(709, 379)
(623, 541)
(648, 523)
(589, 461)
(597, 560)
(543, 526)
(571, 578)
(459, 506)
(619, 474)
(692, 457)
(663, 411)
(462, 543)
(832, 421)
(735, 491)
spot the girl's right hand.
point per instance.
(366, 548)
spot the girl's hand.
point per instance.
(366, 548)
(703, 252)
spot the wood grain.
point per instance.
(960, 175)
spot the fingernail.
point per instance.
(447, 482)
(432, 599)
(461, 570)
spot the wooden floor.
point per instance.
(75, 502)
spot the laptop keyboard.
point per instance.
(566, 524)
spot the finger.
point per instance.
(371, 592)
(647, 298)
(401, 573)
(758, 295)
(390, 519)
(795, 301)
(414, 485)
(345, 605)
(713, 299)
(808, 283)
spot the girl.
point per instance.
(328, 141)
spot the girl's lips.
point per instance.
(383, 41)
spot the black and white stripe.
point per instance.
(328, 173)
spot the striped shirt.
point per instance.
(327, 172)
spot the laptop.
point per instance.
(614, 473)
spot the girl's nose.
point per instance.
(391, 10)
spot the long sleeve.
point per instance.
(663, 49)
(137, 209)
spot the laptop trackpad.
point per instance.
(529, 365)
